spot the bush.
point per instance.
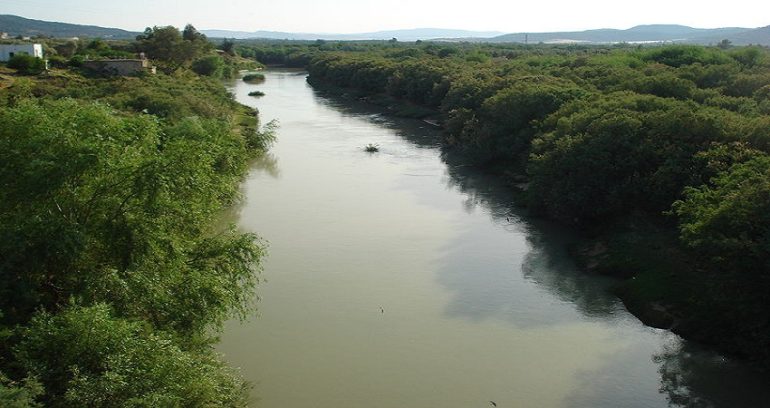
(209, 66)
(253, 78)
(27, 64)
(77, 60)
(57, 62)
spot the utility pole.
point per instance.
(526, 38)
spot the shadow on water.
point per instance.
(266, 163)
(690, 376)
(418, 133)
(544, 259)
(694, 377)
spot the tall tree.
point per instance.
(171, 47)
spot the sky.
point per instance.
(355, 16)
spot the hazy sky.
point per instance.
(348, 16)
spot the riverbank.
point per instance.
(393, 106)
(659, 280)
(111, 252)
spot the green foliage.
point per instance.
(505, 123)
(748, 57)
(172, 48)
(13, 395)
(228, 46)
(679, 55)
(114, 362)
(27, 64)
(100, 49)
(67, 49)
(212, 65)
(727, 224)
(57, 62)
(77, 61)
(666, 85)
(253, 78)
(728, 221)
(607, 157)
(128, 211)
(477, 56)
(111, 192)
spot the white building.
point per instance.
(7, 51)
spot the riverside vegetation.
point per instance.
(114, 279)
(659, 155)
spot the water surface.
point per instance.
(396, 279)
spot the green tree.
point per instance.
(728, 221)
(747, 57)
(228, 45)
(611, 156)
(171, 47)
(112, 209)
(190, 33)
(85, 356)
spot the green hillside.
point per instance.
(15, 25)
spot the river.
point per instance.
(396, 279)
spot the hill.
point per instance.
(15, 25)
(756, 36)
(645, 34)
(401, 35)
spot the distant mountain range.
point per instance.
(646, 34)
(401, 35)
(15, 25)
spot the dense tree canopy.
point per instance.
(115, 275)
(728, 220)
(114, 362)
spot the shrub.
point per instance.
(57, 62)
(209, 66)
(253, 78)
(27, 64)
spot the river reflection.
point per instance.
(267, 163)
(399, 279)
(546, 262)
